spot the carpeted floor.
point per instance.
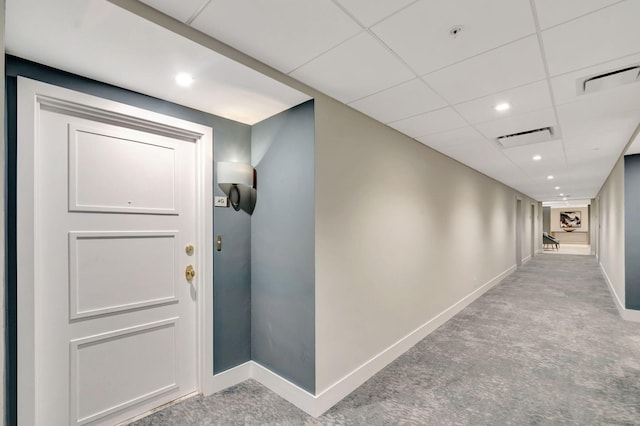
(546, 346)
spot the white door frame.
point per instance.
(32, 97)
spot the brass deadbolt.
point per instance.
(190, 273)
(189, 249)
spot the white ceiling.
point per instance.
(102, 41)
(393, 60)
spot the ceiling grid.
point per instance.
(399, 62)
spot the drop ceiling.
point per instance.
(396, 61)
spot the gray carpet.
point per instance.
(546, 346)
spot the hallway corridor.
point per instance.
(545, 346)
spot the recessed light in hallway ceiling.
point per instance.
(184, 80)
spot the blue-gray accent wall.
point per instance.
(232, 271)
(232, 275)
(283, 245)
(632, 230)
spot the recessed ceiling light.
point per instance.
(557, 187)
(550, 177)
(183, 79)
(537, 158)
(503, 106)
(561, 194)
(565, 198)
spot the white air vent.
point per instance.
(608, 80)
(526, 138)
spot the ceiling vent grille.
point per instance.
(528, 137)
(608, 80)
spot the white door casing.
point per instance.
(108, 325)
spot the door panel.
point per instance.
(116, 271)
(113, 371)
(111, 170)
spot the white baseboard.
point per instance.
(299, 397)
(315, 405)
(631, 315)
(626, 314)
(228, 378)
(526, 259)
(343, 387)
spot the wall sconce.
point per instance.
(229, 175)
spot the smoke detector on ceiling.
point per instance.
(527, 137)
(608, 80)
(455, 31)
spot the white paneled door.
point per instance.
(114, 217)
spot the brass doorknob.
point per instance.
(189, 273)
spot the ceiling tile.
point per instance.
(552, 162)
(584, 177)
(345, 72)
(182, 10)
(420, 34)
(143, 57)
(565, 86)
(405, 100)
(485, 158)
(553, 12)
(509, 66)
(496, 55)
(595, 134)
(463, 136)
(609, 117)
(519, 123)
(598, 37)
(600, 136)
(432, 122)
(584, 155)
(531, 97)
(369, 12)
(282, 33)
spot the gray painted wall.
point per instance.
(632, 230)
(283, 246)
(546, 219)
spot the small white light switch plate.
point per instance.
(221, 201)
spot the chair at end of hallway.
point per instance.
(548, 240)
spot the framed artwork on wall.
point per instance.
(570, 220)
